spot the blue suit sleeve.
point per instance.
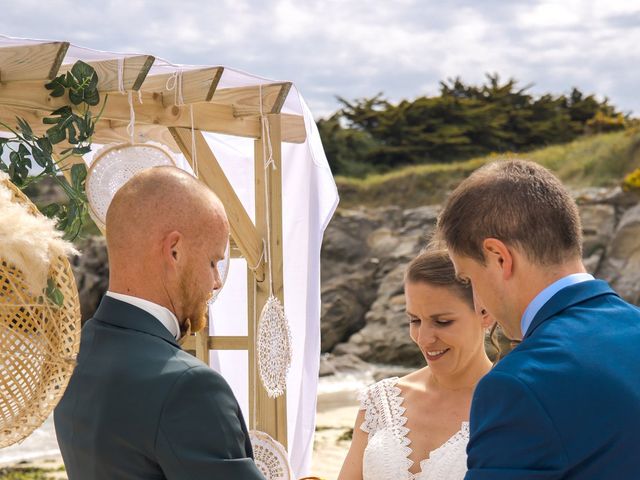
(201, 433)
(512, 435)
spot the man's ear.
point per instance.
(497, 253)
(172, 247)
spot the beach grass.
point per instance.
(595, 160)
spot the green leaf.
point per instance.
(82, 150)
(81, 71)
(25, 129)
(45, 145)
(40, 157)
(71, 134)
(53, 293)
(78, 175)
(63, 111)
(57, 86)
(51, 210)
(55, 135)
(92, 97)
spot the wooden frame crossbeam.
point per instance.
(197, 85)
(134, 71)
(219, 343)
(243, 231)
(207, 116)
(32, 62)
(246, 100)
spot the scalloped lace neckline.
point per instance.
(395, 396)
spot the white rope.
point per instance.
(255, 338)
(132, 120)
(121, 75)
(194, 150)
(268, 161)
(174, 82)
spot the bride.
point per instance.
(416, 427)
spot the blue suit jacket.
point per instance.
(139, 408)
(565, 403)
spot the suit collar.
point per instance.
(124, 315)
(567, 297)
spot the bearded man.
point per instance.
(137, 405)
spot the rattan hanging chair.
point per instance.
(39, 340)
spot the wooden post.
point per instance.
(271, 414)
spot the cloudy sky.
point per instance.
(357, 48)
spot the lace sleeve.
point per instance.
(373, 400)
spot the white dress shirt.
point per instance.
(165, 316)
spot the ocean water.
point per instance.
(41, 443)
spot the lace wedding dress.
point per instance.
(387, 454)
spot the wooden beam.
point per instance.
(197, 85)
(39, 61)
(242, 229)
(218, 343)
(134, 71)
(271, 413)
(107, 131)
(246, 100)
(207, 116)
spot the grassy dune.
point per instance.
(599, 160)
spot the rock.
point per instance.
(598, 225)
(381, 372)
(91, 270)
(345, 300)
(621, 265)
(331, 364)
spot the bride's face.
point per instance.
(448, 331)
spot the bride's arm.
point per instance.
(352, 466)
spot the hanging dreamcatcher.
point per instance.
(115, 165)
(274, 334)
(270, 456)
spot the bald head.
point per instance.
(166, 233)
(157, 201)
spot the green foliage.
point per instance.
(25, 474)
(462, 122)
(75, 126)
(597, 160)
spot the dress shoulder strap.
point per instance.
(382, 405)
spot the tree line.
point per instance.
(463, 121)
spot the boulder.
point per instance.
(621, 265)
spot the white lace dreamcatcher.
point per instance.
(270, 456)
(274, 335)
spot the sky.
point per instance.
(356, 48)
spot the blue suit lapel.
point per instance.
(127, 316)
(568, 297)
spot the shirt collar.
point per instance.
(165, 316)
(545, 295)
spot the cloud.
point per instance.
(356, 49)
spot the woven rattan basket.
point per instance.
(39, 341)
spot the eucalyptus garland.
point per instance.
(73, 124)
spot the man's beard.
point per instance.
(195, 310)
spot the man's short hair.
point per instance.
(519, 203)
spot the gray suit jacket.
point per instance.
(139, 407)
